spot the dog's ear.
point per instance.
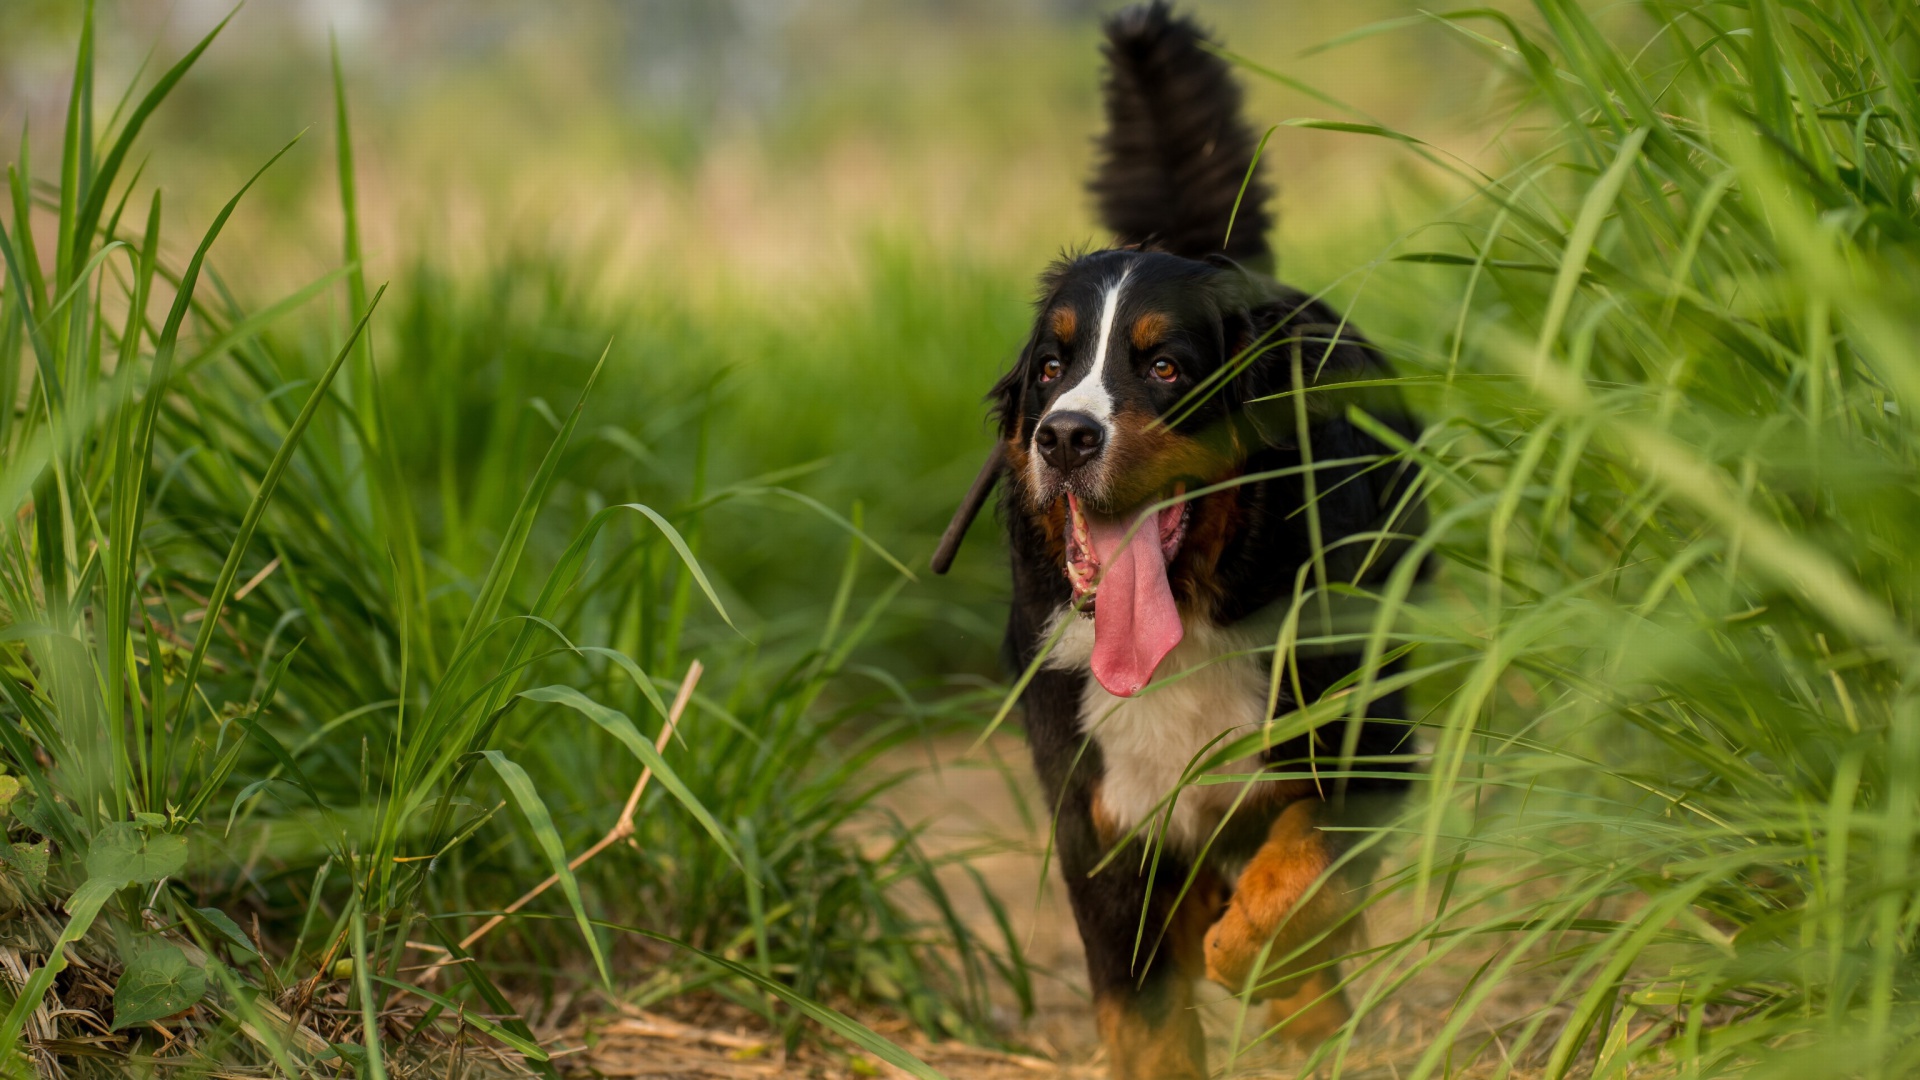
(1007, 401)
(1263, 372)
(1255, 367)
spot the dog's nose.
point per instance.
(1068, 440)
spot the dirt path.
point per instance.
(991, 800)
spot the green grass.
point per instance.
(1666, 354)
(435, 638)
(1664, 350)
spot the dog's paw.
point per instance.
(1313, 1013)
(1233, 947)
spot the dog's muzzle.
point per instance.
(1069, 441)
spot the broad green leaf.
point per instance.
(223, 923)
(126, 854)
(28, 862)
(159, 981)
(48, 817)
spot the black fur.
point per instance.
(1176, 149)
(1174, 156)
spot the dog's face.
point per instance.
(1120, 403)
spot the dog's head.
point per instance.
(1128, 397)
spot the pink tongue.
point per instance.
(1135, 622)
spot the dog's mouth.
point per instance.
(1120, 580)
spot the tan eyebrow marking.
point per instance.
(1150, 330)
(1065, 322)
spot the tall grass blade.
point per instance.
(224, 584)
(520, 786)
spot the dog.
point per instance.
(1187, 448)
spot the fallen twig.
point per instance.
(254, 581)
(622, 828)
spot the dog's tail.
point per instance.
(1176, 149)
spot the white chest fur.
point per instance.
(1149, 742)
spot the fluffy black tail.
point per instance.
(1176, 148)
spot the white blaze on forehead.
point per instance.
(1090, 395)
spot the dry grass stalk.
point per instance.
(622, 828)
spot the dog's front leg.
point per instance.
(1142, 970)
(1142, 980)
(1290, 905)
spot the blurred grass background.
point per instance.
(833, 212)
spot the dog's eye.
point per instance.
(1050, 369)
(1165, 371)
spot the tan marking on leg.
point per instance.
(1313, 1013)
(1105, 825)
(1137, 1049)
(1268, 905)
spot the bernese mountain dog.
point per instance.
(1191, 465)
